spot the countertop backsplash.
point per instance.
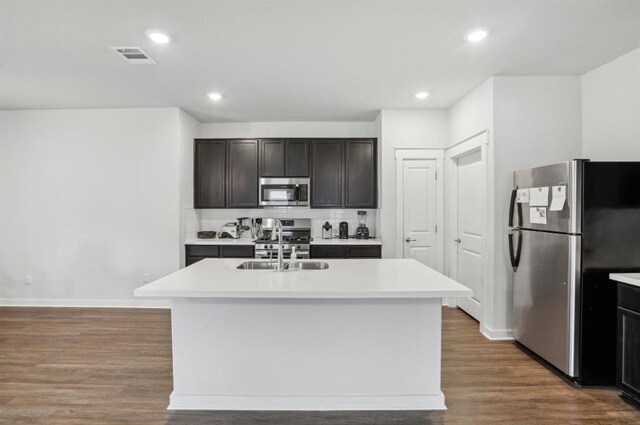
(210, 219)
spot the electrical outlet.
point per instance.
(27, 279)
(145, 277)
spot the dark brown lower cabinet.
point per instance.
(346, 251)
(195, 253)
(628, 364)
(237, 251)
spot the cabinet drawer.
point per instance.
(327, 251)
(192, 259)
(364, 251)
(237, 251)
(203, 251)
(629, 296)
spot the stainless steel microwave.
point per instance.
(284, 191)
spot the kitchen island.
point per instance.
(359, 335)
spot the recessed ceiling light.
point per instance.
(215, 96)
(476, 35)
(422, 95)
(158, 37)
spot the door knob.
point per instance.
(409, 239)
(457, 240)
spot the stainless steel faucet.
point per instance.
(278, 226)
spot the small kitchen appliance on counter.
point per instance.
(206, 234)
(233, 230)
(326, 230)
(362, 232)
(229, 231)
(344, 230)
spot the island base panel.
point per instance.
(306, 354)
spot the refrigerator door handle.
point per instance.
(514, 255)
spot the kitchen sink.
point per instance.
(313, 265)
(257, 265)
(265, 265)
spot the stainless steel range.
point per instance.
(295, 232)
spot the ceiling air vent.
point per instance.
(134, 55)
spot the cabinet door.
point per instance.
(372, 251)
(272, 158)
(628, 365)
(192, 260)
(208, 251)
(236, 251)
(209, 174)
(326, 174)
(360, 185)
(327, 251)
(242, 173)
(297, 158)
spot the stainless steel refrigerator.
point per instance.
(570, 225)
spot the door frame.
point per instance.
(437, 155)
(478, 142)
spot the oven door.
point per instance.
(265, 254)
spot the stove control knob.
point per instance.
(264, 246)
(271, 246)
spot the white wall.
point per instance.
(611, 110)
(532, 121)
(398, 129)
(288, 129)
(472, 114)
(188, 129)
(89, 201)
(537, 121)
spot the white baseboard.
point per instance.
(137, 303)
(496, 335)
(307, 402)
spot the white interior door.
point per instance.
(419, 210)
(470, 226)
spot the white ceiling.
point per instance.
(295, 60)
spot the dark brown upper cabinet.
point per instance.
(225, 173)
(360, 188)
(242, 173)
(296, 158)
(343, 174)
(326, 173)
(284, 158)
(272, 158)
(209, 174)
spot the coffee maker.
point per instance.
(362, 232)
(343, 230)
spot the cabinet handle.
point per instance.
(457, 240)
(409, 240)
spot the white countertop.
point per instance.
(350, 241)
(628, 278)
(350, 278)
(315, 241)
(216, 241)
